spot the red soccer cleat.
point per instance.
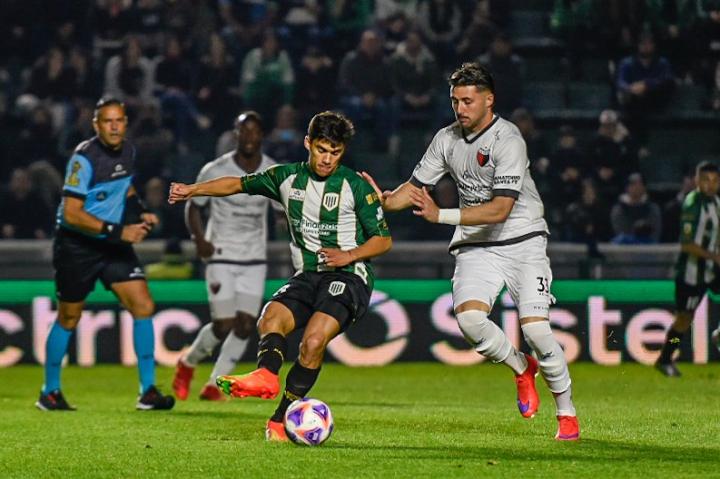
(527, 396)
(568, 429)
(259, 383)
(181, 382)
(210, 392)
(275, 432)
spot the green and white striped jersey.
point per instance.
(699, 224)
(340, 211)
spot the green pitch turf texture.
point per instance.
(404, 420)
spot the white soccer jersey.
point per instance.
(238, 223)
(489, 163)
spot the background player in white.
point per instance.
(234, 246)
(500, 239)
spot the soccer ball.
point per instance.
(308, 422)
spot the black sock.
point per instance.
(672, 342)
(298, 383)
(271, 352)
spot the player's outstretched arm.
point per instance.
(396, 200)
(375, 246)
(223, 186)
(495, 211)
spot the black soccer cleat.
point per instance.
(668, 369)
(53, 401)
(153, 399)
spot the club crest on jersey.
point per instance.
(215, 288)
(331, 201)
(483, 156)
(336, 287)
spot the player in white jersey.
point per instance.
(234, 246)
(500, 238)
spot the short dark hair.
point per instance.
(107, 101)
(473, 74)
(331, 126)
(706, 167)
(249, 115)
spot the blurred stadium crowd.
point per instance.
(617, 99)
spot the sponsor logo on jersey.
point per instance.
(336, 288)
(296, 194)
(379, 214)
(119, 171)
(483, 156)
(506, 180)
(331, 201)
(371, 198)
(313, 228)
(74, 178)
(101, 195)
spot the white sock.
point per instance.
(517, 361)
(202, 347)
(551, 357)
(489, 340)
(230, 353)
(564, 404)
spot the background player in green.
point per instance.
(99, 219)
(696, 267)
(336, 225)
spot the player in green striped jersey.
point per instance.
(336, 225)
(697, 265)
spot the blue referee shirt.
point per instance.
(101, 177)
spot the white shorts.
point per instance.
(524, 268)
(232, 288)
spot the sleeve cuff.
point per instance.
(415, 182)
(507, 192)
(74, 194)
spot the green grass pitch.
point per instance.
(404, 420)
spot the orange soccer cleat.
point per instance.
(210, 392)
(568, 429)
(527, 396)
(275, 431)
(260, 383)
(181, 382)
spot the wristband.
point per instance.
(449, 216)
(112, 231)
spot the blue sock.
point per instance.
(55, 349)
(144, 342)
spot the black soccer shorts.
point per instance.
(80, 260)
(340, 294)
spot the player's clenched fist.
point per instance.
(179, 192)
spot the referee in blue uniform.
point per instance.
(99, 219)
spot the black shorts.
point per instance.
(341, 294)
(688, 297)
(80, 260)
